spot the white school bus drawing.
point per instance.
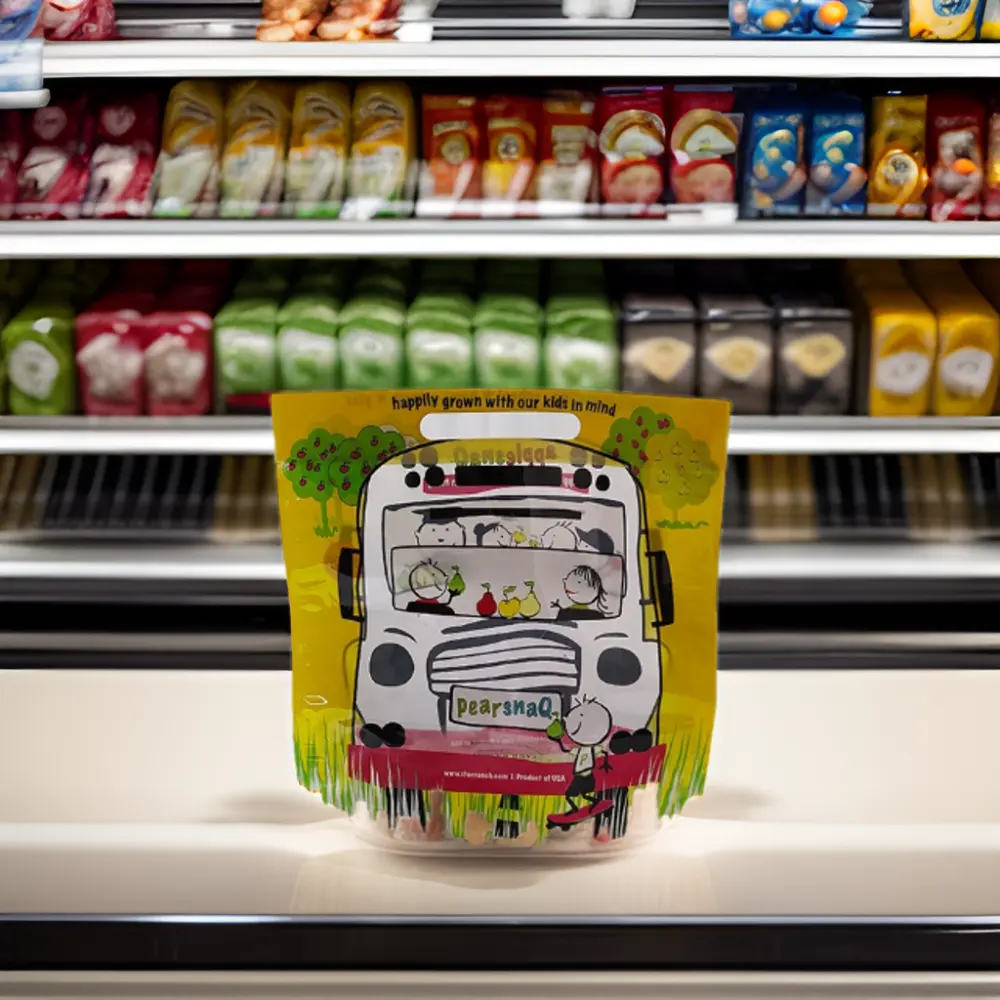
(497, 587)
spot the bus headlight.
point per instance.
(618, 666)
(390, 665)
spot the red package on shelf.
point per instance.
(178, 362)
(955, 140)
(110, 338)
(52, 179)
(77, 20)
(632, 139)
(11, 154)
(121, 169)
(703, 145)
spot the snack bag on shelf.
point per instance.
(379, 174)
(439, 349)
(121, 169)
(511, 149)
(899, 342)
(659, 352)
(806, 19)
(37, 345)
(567, 167)
(187, 170)
(453, 155)
(258, 114)
(246, 370)
(19, 19)
(508, 341)
(308, 349)
(110, 339)
(581, 343)
(932, 20)
(371, 342)
(737, 351)
(955, 141)
(52, 179)
(316, 172)
(991, 195)
(524, 614)
(774, 180)
(965, 377)
(11, 154)
(897, 174)
(704, 143)
(815, 356)
(632, 138)
(837, 177)
(331, 20)
(989, 26)
(77, 20)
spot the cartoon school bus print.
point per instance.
(510, 607)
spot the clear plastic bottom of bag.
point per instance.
(415, 822)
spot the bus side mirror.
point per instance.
(663, 588)
(347, 575)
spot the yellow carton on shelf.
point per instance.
(899, 343)
(503, 609)
(965, 377)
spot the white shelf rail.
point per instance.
(604, 59)
(252, 436)
(546, 238)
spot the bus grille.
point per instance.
(532, 661)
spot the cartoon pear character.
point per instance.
(487, 604)
(529, 603)
(456, 585)
(519, 537)
(509, 606)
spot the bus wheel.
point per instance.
(371, 736)
(615, 819)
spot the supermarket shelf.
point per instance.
(497, 58)
(748, 573)
(252, 436)
(23, 99)
(546, 238)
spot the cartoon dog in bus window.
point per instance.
(427, 651)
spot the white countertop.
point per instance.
(829, 793)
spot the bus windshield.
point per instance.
(546, 560)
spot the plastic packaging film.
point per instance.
(503, 609)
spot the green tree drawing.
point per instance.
(629, 437)
(683, 473)
(306, 468)
(354, 459)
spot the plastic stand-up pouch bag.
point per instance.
(503, 610)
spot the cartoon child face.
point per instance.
(558, 536)
(588, 723)
(582, 585)
(493, 534)
(440, 533)
(428, 581)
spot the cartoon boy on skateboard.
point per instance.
(581, 733)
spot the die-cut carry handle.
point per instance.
(478, 425)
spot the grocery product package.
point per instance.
(660, 342)
(989, 26)
(837, 177)
(567, 166)
(124, 159)
(258, 115)
(511, 153)
(451, 180)
(503, 610)
(188, 167)
(807, 19)
(52, 180)
(774, 178)
(37, 344)
(737, 350)
(956, 140)
(632, 138)
(704, 142)
(991, 195)
(932, 21)
(330, 20)
(897, 171)
(11, 153)
(77, 20)
(382, 169)
(316, 172)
